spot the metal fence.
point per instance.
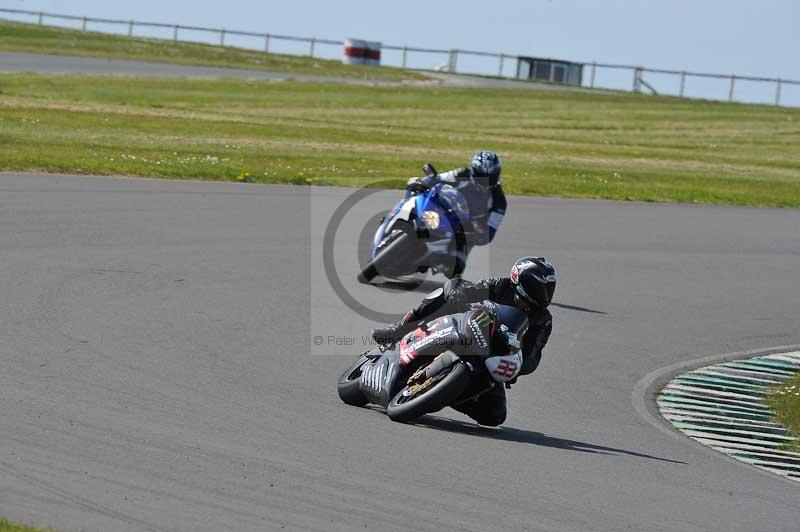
(437, 59)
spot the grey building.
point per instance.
(554, 70)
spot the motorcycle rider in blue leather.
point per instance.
(480, 186)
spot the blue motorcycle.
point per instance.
(424, 231)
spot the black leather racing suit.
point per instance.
(489, 408)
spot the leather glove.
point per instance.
(415, 184)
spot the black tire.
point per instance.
(452, 382)
(348, 385)
(392, 255)
(367, 274)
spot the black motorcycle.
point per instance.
(444, 362)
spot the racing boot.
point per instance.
(432, 303)
(394, 332)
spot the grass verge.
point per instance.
(785, 402)
(587, 145)
(19, 37)
(7, 526)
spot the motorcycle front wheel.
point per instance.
(389, 259)
(348, 384)
(395, 255)
(430, 396)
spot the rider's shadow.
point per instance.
(525, 436)
(425, 286)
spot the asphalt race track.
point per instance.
(58, 64)
(157, 370)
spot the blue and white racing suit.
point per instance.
(486, 207)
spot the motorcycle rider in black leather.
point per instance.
(530, 288)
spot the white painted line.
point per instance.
(709, 407)
(795, 360)
(680, 423)
(754, 381)
(716, 417)
(773, 455)
(690, 400)
(750, 374)
(704, 391)
(773, 364)
(744, 447)
(719, 438)
(724, 421)
(760, 368)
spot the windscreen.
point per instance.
(452, 198)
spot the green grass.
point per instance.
(18, 37)
(588, 145)
(6, 526)
(785, 402)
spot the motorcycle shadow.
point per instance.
(511, 434)
(411, 285)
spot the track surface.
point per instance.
(155, 370)
(58, 64)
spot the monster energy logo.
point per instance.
(482, 319)
(476, 332)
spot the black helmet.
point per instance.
(486, 169)
(534, 280)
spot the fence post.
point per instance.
(683, 83)
(405, 53)
(83, 23)
(637, 79)
(266, 42)
(130, 28)
(452, 63)
(175, 33)
(730, 91)
(778, 92)
(222, 37)
(594, 71)
(41, 18)
(311, 48)
(500, 69)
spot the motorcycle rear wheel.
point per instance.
(434, 394)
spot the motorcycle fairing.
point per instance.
(438, 335)
(413, 208)
(433, 202)
(379, 378)
(401, 211)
